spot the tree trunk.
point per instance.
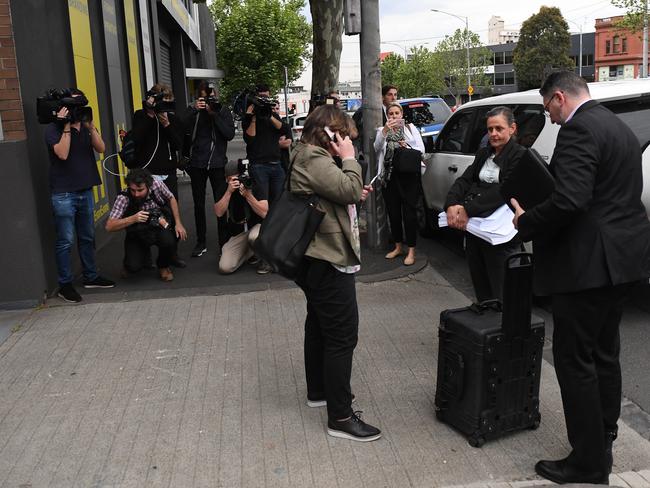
(327, 19)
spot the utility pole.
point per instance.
(371, 89)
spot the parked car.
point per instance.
(296, 122)
(428, 114)
(462, 135)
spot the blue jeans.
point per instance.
(270, 177)
(74, 211)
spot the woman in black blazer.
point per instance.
(476, 194)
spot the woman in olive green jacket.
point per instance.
(323, 163)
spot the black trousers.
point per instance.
(137, 248)
(486, 265)
(331, 332)
(586, 348)
(199, 178)
(401, 196)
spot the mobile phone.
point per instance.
(374, 179)
(330, 134)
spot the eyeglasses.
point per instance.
(546, 110)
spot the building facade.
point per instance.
(498, 34)
(619, 53)
(113, 50)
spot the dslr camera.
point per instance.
(55, 99)
(158, 105)
(212, 102)
(244, 175)
(155, 214)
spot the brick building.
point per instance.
(618, 53)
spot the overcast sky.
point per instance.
(408, 23)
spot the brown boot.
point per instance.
(166, 274)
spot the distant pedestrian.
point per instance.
(592, 240)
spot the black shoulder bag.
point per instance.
(288, 229)
(407, 159)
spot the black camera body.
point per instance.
(262, 106)
(154, 217)
(159, 105)
(244, 176)
(49, 105)
(212, 102)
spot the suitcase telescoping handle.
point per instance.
(517, 295)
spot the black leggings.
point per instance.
(199, 178)
(401, 196)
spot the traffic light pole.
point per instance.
(371, 89)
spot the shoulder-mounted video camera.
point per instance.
(318, 99)
(49, 105)
(262, 106)
(159, 104)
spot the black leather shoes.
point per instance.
(562, 472)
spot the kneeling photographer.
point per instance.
(208, 128)
(245, 204)
(149, 213)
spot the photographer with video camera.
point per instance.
(71, 138)
(158, 136)
(245, 204)
(262, 130)
(149, 213)
(209, 126)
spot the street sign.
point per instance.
(470, 90)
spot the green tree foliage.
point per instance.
(635, 11)
(452, 52)
(419, 75)
(256, 39)
(543, 47)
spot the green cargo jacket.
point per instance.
(314, 171)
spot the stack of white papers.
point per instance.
(496, 228)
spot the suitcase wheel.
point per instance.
(476, 440)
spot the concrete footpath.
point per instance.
(208, 391)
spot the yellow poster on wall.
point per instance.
(84, 66)
(134, 59)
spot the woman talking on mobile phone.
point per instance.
(323, 163)
(401, 190)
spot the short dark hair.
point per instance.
(501, 110)
(262, 87)
(566, 81)
(139, 176)
(386, 88)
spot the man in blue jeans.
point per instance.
(73, 173)
(262, 131)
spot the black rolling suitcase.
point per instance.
(489, 361)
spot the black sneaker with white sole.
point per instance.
(99, 282)
(68, 293)
(353, 429)
(321, 402)
(199, 250)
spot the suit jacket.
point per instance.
(480, 199)
(312, 171)
(593, 230)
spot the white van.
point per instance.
(462, 135)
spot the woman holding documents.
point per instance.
(402, 189)
(476, 194)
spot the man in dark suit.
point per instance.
(591, 241)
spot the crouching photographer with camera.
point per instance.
(209, 126)
(158, 136)
(71, 138)
(149, 213)
(245, 204)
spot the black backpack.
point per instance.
(127, 153)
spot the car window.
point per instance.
(422, 112)
(440, 110)
(530, 120)
(636, 114)
(453, 137)
(300, 121)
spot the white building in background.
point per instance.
(297, 100)
(497, 34)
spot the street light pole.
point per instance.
(644, 67)
(398, 45)
(466, 19)
(580, 62)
